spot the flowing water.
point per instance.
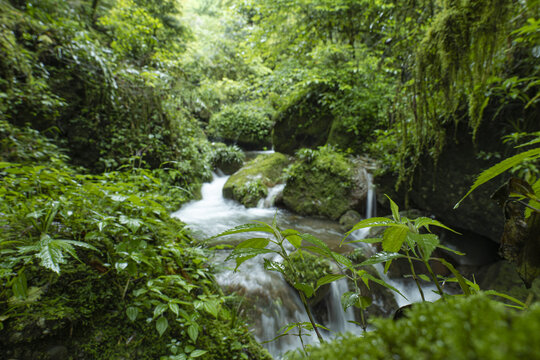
(275, 303)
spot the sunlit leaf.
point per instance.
(394, 237)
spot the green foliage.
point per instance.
(245, 124)
(309, 268)
(132, 270)
(461, 328)
(227, 158)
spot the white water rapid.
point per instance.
(276, 304)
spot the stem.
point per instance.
(432, 274)
(310, 316)
(285, 256)
(414, 276)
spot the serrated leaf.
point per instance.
(348, 299)
(255, 243)
(327, 279)
(426, 242)
(193, 332)
(394, 237)
(132, 313)
(161, 325)
(305, 288)
(372, 222)
(273, 266)
(426, 222)
(394, 208)
(295, 240)
(380, 257)
(50, 256)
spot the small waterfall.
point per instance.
(371, 201)
(274, 303)
(270, 199)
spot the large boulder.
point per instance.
(250, 184)
(436, 188)
(304, 122)
(325, 183)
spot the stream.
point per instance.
(275, 303)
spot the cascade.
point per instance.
(276, 304)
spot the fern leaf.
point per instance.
(499, 168)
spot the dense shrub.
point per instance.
(226, 158)
(245, 124)
(461, 328)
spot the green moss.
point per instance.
(320, 183)
(303, 122)
(461, 328)
(250, 183)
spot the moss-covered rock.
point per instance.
(468, 328)
(304, 122)
(324, 183)
(251, 182)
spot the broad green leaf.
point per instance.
(20, 286)
(363, 302)
(245, 228)
(499, 168)
(50, 256)
(327, 279)
(130, 223)
(193, 332)
(161, 325)
(315, 241)
(394, 237)
(255, 243)
(305, 288)
(394, 208)
(426, 242)
(132, 313)
(380, 257)
(295, 240)
(274, 266)
(160, 309)
(174, 308)
(211, 307)
(197, 353)
(426, 222)
(348, 299)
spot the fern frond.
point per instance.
(499, 168)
